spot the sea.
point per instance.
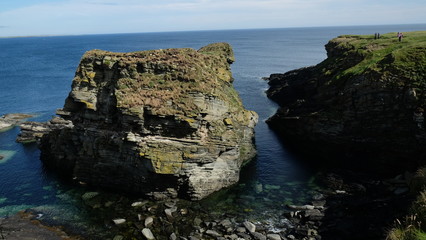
(36, 75)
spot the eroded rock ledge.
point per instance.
(163, 121)
(366, 101)
(8, 121)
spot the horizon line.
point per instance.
(201, 30)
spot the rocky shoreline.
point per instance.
(348, 207)
(181, 219)
(25, 225)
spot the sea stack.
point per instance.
(365, 101)
(160, 122)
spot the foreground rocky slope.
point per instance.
(161, 122)
(366, 99)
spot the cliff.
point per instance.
(365, 101)
(160, 122)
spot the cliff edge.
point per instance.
(162, 122)
(365, 101)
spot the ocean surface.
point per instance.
(36, 75)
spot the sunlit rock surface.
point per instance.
(160, 122)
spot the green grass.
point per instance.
(420, 235)
(413, 227)
(387, 54)
(406, 234)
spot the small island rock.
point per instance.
(152, 122)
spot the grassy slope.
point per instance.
(385, 57)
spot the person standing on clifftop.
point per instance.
(400, 35)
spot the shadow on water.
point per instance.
(275, 178)
(367, 206)
(361, 202)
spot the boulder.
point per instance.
(119, 221)
(148, 234)
(249, 226)
(273, 236)
(213, 233)
(149, 221)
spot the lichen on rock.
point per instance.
(154, 120)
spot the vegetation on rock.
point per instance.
(367, 97)
(362, 109)
(164, 121)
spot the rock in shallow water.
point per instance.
(34, 131)
(146, 122)
(9, 120)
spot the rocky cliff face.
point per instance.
(164, 121)
(366, 100)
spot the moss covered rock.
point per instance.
(153, 121)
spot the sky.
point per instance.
(71, 17)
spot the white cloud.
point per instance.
(112, 16)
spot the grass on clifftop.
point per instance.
(387, 54)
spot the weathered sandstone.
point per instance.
(163, 121)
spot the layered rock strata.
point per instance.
(366, 100)
(8, 121)
(160, 121)
(34, 131)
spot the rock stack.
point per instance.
(161, 122)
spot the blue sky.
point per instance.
(63, 17)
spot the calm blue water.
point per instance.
(36, 75)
